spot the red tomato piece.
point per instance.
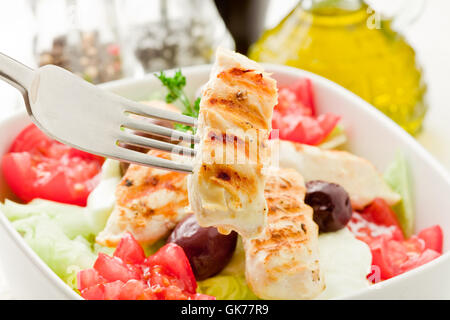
(96, 292)
(419, 260)
(31, 138)
(39, 167)
(288, 102)
(112, 290)
(175, 293)
(113, 268)
(149, 294)
(132, 290)
(303, 91)
(304, 129)
(173, 259)
(433, 238)
(200, 296)
(88, 278)
(129, 250)
(414, 245)
(327, 122)
(295, 115)
(380, 258)
(380, 212)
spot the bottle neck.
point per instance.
(331, 13)
(324, 6)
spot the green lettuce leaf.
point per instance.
(230, 284)
(226, 288)
(63, 235)
(397, 176)
(54, 247)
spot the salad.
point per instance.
(113, 231)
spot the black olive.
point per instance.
(208, 250)
(331, 205)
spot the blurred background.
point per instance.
(393, 53)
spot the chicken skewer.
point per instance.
(283, 262)
(226, 188)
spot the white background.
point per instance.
(429, 35)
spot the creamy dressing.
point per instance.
(345, 262)
(102, 199)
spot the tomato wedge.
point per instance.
(419, 260)
(174, 260)
(433, 238)
(113, 268)
(88, 278)
(129, 250)
(295, 115)
(39, 167)
(380, 212)
(303, 90)
(380, 257)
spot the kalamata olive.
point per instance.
(208, 250)
(331, 205)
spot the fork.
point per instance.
(81, 115)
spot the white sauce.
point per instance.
(345, 262)
(102, 199)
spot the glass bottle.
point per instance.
(80, 36)
(348, 42)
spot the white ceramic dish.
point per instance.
(371, 135)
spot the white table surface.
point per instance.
(429, 35)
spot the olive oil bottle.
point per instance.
(344, 41)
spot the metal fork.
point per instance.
(88, 118)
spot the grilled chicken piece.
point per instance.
(356, 175)
(149, 204)
(226, 188)
(283, 262)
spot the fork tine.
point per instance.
(148, 111)
(151, 128)
(138, 141)
(144, 159)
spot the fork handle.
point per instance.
(15, 73)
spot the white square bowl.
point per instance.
(371, 135)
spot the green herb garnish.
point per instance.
(175, 85)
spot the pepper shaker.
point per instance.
(164, 34)
(80, 36)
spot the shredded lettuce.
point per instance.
(335, 139)
(64, 235)
(236, 266)
(227, 288)
(53, 246)
(397, 176)
(230, 284)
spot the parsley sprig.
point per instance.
(175, 86)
